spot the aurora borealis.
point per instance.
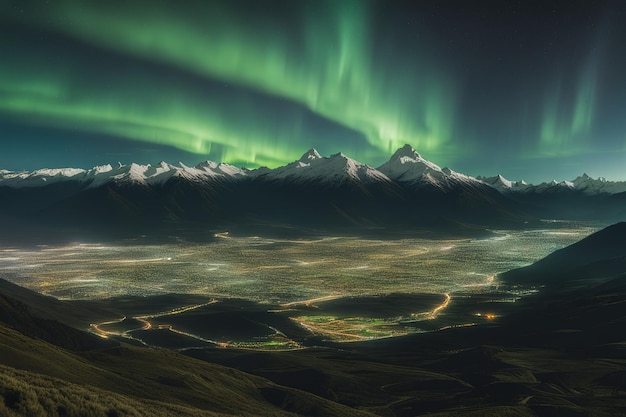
(529, 89)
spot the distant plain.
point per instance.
(281, 270)
(335, 288)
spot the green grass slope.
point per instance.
(150, 376)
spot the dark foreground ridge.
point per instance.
(600, 256)
(557, 353)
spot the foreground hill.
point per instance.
(598, 257)
(39, 378)
(18, 316)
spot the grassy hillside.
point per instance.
(147, 376)
(35, 395)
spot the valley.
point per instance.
(312, 208)
(324, 287)
(279, 270)
(515, 346)
(272, 293)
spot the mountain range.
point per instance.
(406, 166)
(407, 193)
(583, 183)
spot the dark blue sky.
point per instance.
(528, 89)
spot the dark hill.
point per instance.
(78, 314)
(599, 256)
(17, 315)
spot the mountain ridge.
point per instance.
(313, 194)
(599, 257)
(583, 183)
(406, 166)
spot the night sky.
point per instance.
(529, 89)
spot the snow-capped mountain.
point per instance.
(40, 177)
(406, 193)
(406, 168)
(600, 185)
(503, 185)
(220, 170)
(335, 170)
(407, 165)
(132, 173)
(584, 184)
(409, 168)
(584, 198)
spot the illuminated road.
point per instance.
(311, 302)
(99, 331)
(105, 333)
(363, 328)
(328, 332)
(177, 310)
(352, 329)
(433, 314)
(148, 325)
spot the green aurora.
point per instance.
(258, 83)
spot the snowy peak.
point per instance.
(125, 174)
(328, 171)
(504, 185)
(102, 169)
(406, 168)
(162, 172)
(407, 155)
(356, 170)
(221, 170)
(409, 167)
(583, 183)
(600, 185)
(40, 177)
(133, 173)
(406, 152)
(501, 180)
(309, 156)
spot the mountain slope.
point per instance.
(440, 195)
(17, 315)
(32, 351)
(138, 376)
(582, 199)
(408, 168)
(334, 171)
(598, 257)
(24, 393)
(317, 192)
